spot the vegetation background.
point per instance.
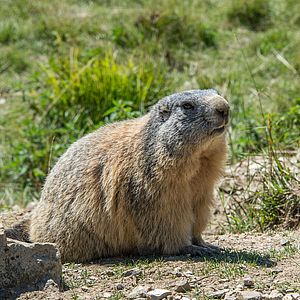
(68, 67)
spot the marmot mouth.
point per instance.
(219, 130)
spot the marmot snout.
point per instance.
(139, 186)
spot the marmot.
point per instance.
(138, 186)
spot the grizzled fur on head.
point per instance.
(184, 119)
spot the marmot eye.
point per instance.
(188, 105)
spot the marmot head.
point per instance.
(189, 117)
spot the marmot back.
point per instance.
(139, 186)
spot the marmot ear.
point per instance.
(164, 111)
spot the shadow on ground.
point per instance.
(227, 255)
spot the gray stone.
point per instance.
(25, 266)
(249, 295)
(230, 297)
(158, 294)
(119, 286)
(51, 286)
(275, 295)
(182, 286)
(285, 242)
(291, 296)
(188, 273)
(132, 272)
(248, 281)
(218, 294)
(109, 273)
(138, 292)
(107, 295)
(84, 288)
(177, 272)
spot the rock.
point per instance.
(138, 292)
(51, 286)
(132, 272)
(249, 295)
(248, 281)
(285, 243)
(239, 287)
(158, 294)
(25, 266)
(31, 205)
(218, 294)
(277, 271)
(275, 295)
(291, 296)
(84, 288)
(177, 272)
(188, 273)
(109, 273)
(182, 286)
(119, 286)
(106, 295)
(185, 298)
(230, 296)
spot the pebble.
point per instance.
(285, 243)
(84, 288)
(276, 271)
(132, 272)
(139, 291)
(158, 294)
(291, 296)
(177, 272)
(106, 295)
(119, 286)
(218, 294)
(109, 273)
(182, 286)
(230, 296)
(275, 295)
(51, 285)
(249, 295)
(248, 281)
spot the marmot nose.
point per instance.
(223, 112)
(221, 107)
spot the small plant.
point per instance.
(254, 14)
(275, 202)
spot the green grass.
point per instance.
(67, 67)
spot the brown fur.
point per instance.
(99, 200)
